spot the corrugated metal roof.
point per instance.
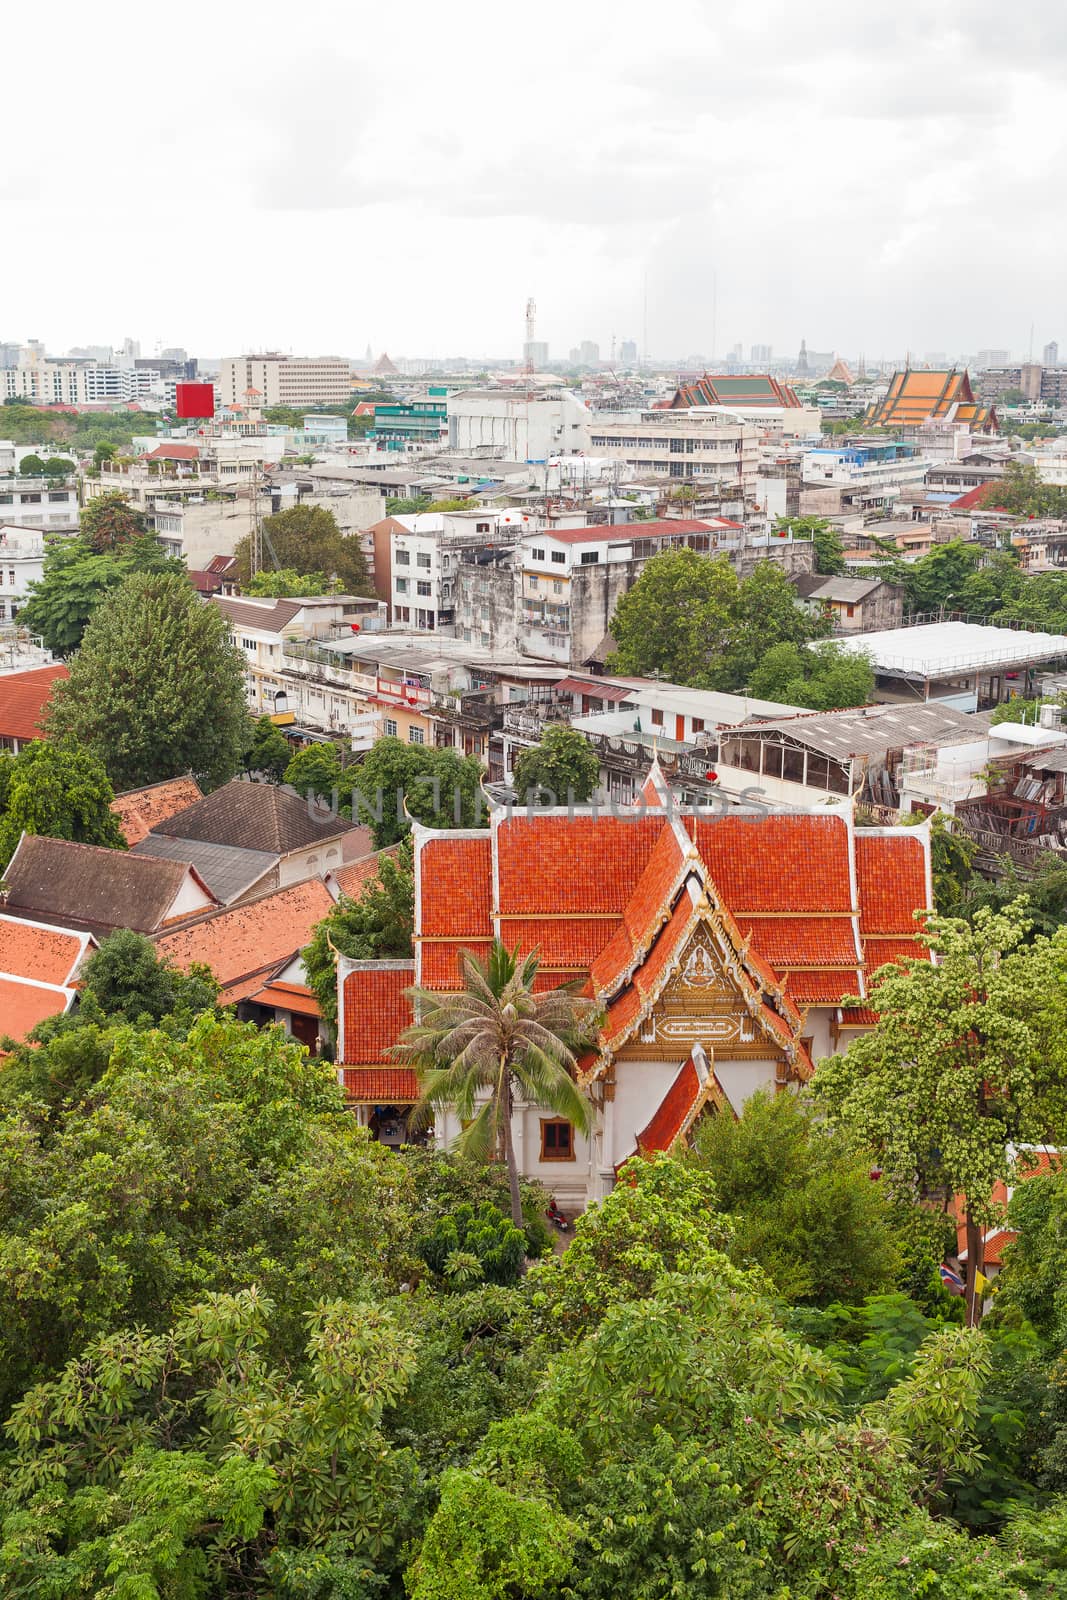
(873, 730)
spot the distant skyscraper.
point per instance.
(1050, 355)
(589, 353)
(628, 353)
(760, 355)
(993, 358)
(738, 352)
(802, 359)
(535, 354)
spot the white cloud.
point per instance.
(877, 177)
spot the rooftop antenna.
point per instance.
(531, 326)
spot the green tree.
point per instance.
(768, 617)
(564, 763)
(108, 521)
(317, 770)
(829, 551)
(306, 539)
(59, 792)
(285, 584)
(801, 1201)
(824, 677)
(1042, 890)
(125, 980)
(157, 688)
(967, 1058)
(104, 451)
(58, 467)
(377, 926)
(76, 579)
(396, 781)
(677, 620)
(269, 751)
(497, 1037)
(952, 853)
(940, 578)
(31, 466)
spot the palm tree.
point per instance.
(495, 1037)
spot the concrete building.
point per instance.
(280, 380)
(44, 380)
(773, 408)
(488, 422)
(417, 556)
(853, 605)
(683, 446)
(861, 477)
(556, 596)
(39, 503)
(21, 563)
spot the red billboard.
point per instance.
(195, 399)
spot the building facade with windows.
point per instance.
(39, 503)
(682, 446)
(280, 380)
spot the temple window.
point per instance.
(557, 1140)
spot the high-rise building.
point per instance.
(992, 358)
(628, 353)
(278, 380)
(1050, 355)
(589, 353)
(535, 353)
(760, 355)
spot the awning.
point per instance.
(596, 688)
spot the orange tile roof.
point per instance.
(777, 863)
(24, 698)
(571, 866)
(820, 988)
(807, 942)
(455, 886)
(24, 1005)
(353, 878)
(439, 967)
(294, 997)
(139, 810)
(250, 938)
(389, 1086)
(670, 1116)
(567, 944)
(891, 881)
(376, 1011)
(45, 954)
(917, 397)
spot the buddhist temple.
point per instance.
(720, 950)
(920, 399)
(745, 389)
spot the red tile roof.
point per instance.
(353, 878)
(45, 954)
(24, 1005)
(624, 532)
(294, 997)
(981, 497)
(376, 1011)
(383, 1086)
(140, 810)
(455, 887)
(777, 863)
(250, 938)
(891, 880)
(173, 452)
(439, 962)
(670, 1116)
(571, 866)
(24, 698)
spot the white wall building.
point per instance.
(38, 503)
(681, 445)
(21, 563)
(517, 427)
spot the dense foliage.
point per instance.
(307, 540)
(689, 619)
(157, 688)
(824, 677)
(75, 580)
(56, 791)
(562, 768)
(375, 926)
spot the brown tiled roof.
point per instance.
(139, 810)
(273, 615)
(250, 939)
(24, 698)
(87, 886)
(257, 816)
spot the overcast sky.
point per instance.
(876, 177)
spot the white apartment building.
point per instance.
(21, 563)
(42, 380)
(38, 503)
(517, 427)
(682, 445)
(280, 380)
(417, 557)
